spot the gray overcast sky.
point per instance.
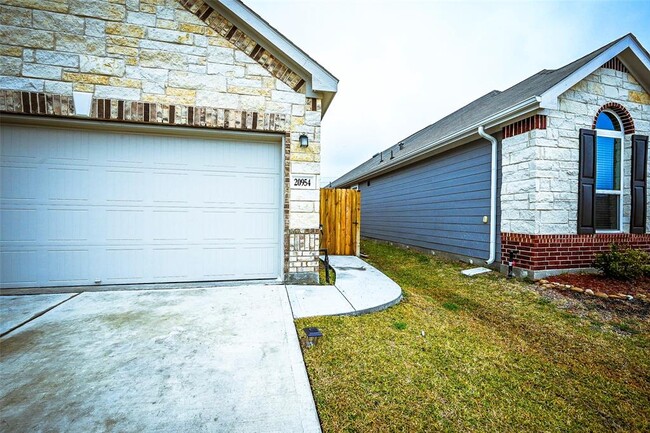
(402, 65)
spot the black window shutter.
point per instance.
(639, 183)
(587, 182)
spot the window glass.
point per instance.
(607, 121)
(609, 138)
(608, 163)
(607, 211)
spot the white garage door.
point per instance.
(83, 207)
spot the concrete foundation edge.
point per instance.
(537, 275)
(302, 278)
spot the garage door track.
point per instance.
(217, 359)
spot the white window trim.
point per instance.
(621, 136)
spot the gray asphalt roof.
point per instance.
(469, 115)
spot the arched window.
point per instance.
(609, 172)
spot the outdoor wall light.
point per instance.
(313, 335)
(304, 141)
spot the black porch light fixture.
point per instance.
(304, 140)
(313, 335)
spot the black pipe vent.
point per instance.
(391, 155)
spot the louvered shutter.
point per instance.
(587, 182)
(639, 183)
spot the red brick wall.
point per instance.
(545, 252)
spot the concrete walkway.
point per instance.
(360, 288)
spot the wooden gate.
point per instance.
(340, 217)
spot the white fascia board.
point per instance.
(462, 136)
(321, 79)
(550, 97)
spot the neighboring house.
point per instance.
(570, 170)
(156, 141)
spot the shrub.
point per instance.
(623, 264)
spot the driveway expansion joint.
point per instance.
(38, 314)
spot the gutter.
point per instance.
(503, 116)
(493, 195)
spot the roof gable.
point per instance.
(259, 40)
(497, 108)
(627, 49)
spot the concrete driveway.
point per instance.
(188, 360)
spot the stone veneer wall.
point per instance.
(539, 194)
(180, 62)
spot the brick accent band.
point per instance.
(12, 101)
(626, 117)
(548, 252)
(303, 250)
(537, 121)
(616, 65)
(244, 42)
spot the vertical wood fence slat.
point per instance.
(340, 216)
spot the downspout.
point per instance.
(493, 196)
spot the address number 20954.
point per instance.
(303, 182)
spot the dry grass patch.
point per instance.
(321, 274)
(476, 354)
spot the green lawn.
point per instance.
(496, 356)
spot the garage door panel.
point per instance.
(18, 182)
(18, 225)
(80, 206)
(73, 150)
(263, 226)
(222, 189)
(65, 225)
(16, 267)
(127, 150)
(68, 267)
(260, 158)
(171, 187)
(68, 184)
(125, 186)
(15, 148)
(171, 152)
(221, 158)
(125, 225)
(219, 225)
(218, 263)
(124, 265)
(170, 225)
(265, 258)
(171, 263)
(262, 190)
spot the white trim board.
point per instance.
(320, 82)
(627, 49)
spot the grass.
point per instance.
(482, 354)
(321, 274)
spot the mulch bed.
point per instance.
(598, 283)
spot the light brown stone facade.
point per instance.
(539, 192)
(169, 62)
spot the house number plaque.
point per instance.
(303, 182)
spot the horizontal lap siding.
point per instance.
(435, 204)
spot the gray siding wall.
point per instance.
(437, 204)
